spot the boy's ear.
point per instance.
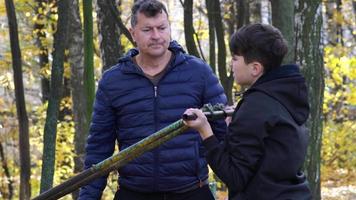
(257, 69)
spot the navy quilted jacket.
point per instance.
(128, 108)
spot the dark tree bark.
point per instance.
(9, 181)
(255, 13)
(243, 14)
(24, 140)
(309, 56)
(50, 130)
(212, 55)
(226, 80)
(189, 31)
(76, 61)
(109, 35)
(283, 19)
(116, 15)
(39, 29)
(89, 82)
(232, 17)
(339, 31)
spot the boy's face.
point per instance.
(152, 34)
(245, 74)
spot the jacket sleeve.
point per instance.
(236, 159)
(100, 142)
(214, 94)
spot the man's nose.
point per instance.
(155, 33)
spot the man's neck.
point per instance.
(153, 65)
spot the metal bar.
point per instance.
(123, 157)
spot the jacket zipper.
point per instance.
(156, 151)
(197, 164)
(155, 91)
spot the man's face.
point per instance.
(152, 34)
(242, 71)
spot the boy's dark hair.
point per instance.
(149, 8)
(259, 42)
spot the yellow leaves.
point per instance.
(338, 149)
(352, 97)
(40, 10)
(6, 81)
(352, 64)
(339, 99)
(67, 71)
(340, 79)
(338, 17)
(45, 71)
(65, 151)
(66, 103)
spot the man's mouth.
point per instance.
(155, 45)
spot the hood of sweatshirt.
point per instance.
(287, 85)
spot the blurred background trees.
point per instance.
(321, 35)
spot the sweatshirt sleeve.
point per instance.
(214, 94)
(236, 159)
(100, 142)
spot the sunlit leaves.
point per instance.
(340, 81)
(6, 81)
(338, 152)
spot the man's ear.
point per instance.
(257, 69)
(132, 32)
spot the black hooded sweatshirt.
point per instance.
(266, 143)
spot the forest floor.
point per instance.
(327, 193)
(339, 193)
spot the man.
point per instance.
(147, 90)
(266, 143)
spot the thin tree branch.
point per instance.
(116, 16)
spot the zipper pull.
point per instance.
(155, 89)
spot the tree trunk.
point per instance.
(189, 28)
(243, 14)
(283, 19)
(116, 15)
(109, 35)
(212, 55)
(232, 17)
(255, 14)
(89, 82)
(226, 81)
(76, 61)
(39, 30)
(24, 141)
(309, 56)
(50, 130)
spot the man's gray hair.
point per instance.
(149, 8)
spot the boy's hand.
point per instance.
(200, 124)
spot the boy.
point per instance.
(266, 143)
